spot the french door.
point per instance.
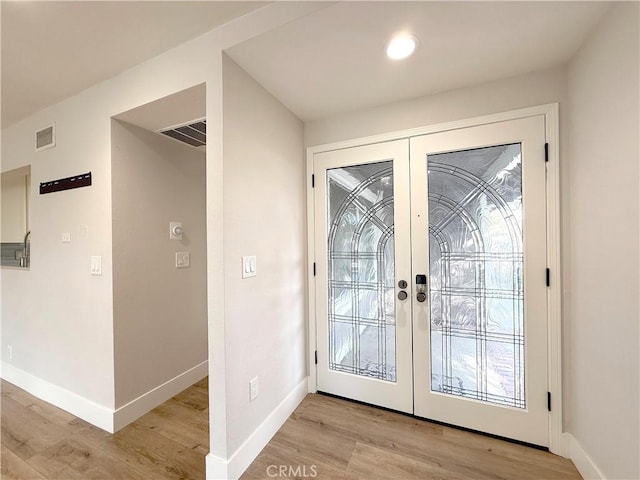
(430, 276)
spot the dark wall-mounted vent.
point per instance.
(194, 134)
(45, 138)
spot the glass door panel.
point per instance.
(360, 249)
(475, 274)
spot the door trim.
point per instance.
(554, 300)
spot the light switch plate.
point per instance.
(182, 259)
(96, 265)
(249, 266)
(83, 232)
(66, 237)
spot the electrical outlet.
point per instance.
(10, 350)
(253, 389)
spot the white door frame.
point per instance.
(554, 303)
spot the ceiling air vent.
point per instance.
(45, 138)
(193, 133)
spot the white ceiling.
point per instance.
(333, 61)
(328, 62)
(178, 109)
(52, 50)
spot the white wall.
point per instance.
(602, 297)
(263, 216)
(160, 312)
(508, 94)
(56, 316)
(59, 318)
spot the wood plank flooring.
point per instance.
(325, 438)
(330, 438)
(40, 441)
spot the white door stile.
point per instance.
(395, 395)
(529, 424)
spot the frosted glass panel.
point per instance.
(475, 274)
(362, 335)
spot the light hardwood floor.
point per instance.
(41, 441)
(325, 438)
(338, 439)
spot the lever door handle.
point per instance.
(421, 287)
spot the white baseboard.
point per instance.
(102, 417)
(231, 469)
(98, 415)
(581, 459)
(133, 410)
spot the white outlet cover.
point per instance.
(253, 389)
(183, 259)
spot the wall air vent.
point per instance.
(45, 138)
(192, 133)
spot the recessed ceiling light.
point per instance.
(401, 46)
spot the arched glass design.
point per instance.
(361, 270)
(476, 274)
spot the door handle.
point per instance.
(421, 287)
(402, 295)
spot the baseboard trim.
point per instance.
(583, 462)
(146, 402)
(221, 469)
(98, 415)
(102, 417)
